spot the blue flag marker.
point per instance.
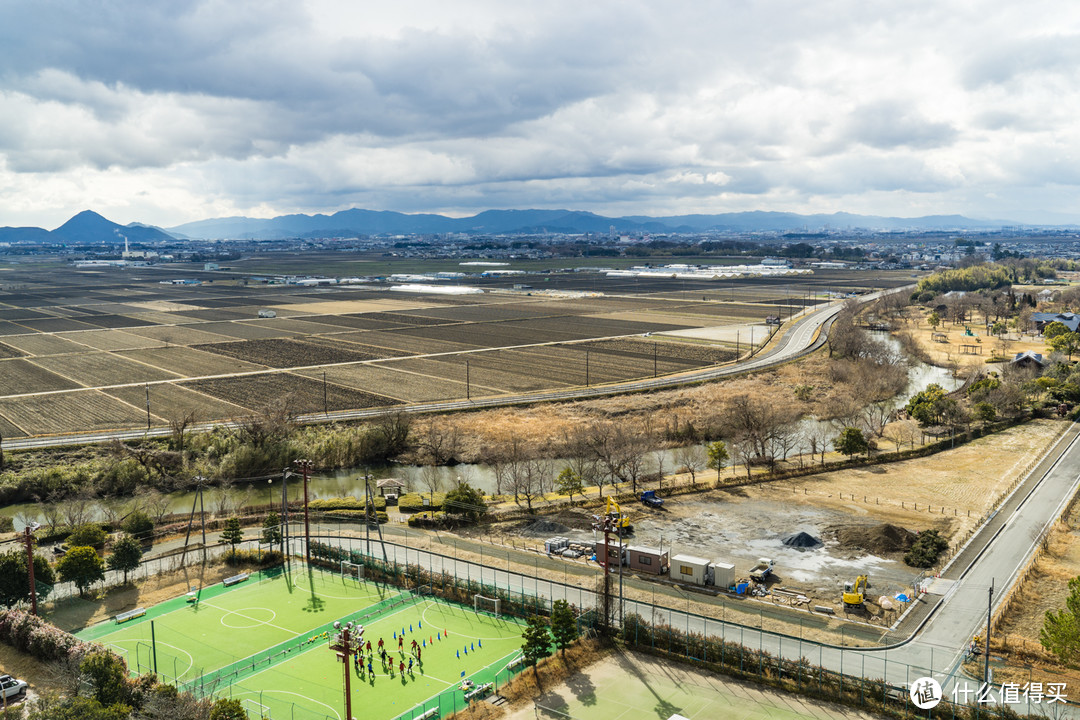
(459, 656)
(462, 673)
(410, 628)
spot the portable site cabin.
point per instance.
(267, 313)
(647, 559)
(688, 568)
(615, 552)
(722, 574)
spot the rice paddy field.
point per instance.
(266, 641)
(80, 349)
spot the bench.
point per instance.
(130, 615)
(479, 691)
(235, 579)
(432, 713)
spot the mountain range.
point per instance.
(89, 227)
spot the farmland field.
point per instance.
(202, 348)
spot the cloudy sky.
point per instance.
(167, 112)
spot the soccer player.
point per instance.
(401, 667)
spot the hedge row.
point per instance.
(40, 638)
(346, 503)
(414, 502)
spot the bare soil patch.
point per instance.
(97, 369)
(392, 382)
(111, 340)
(191, 362)
(18, 376)
(287, 353)
(7, 351)
(168, 400)
(70, 412)
(306, 395)
(878, 539)
(41, 344)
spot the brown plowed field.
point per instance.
(168, 400)
(404, 343)
(49, 325)
(191, 362)
(305, 395)
(179, 334)
(70, 412)
(690, 353)
(405, 386)
(110, 340)
(96, 369)
(7, 351)
(244, 331)
(287, 353)
(45, 344)
(18, 376)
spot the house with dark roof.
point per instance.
(1069, 320)
(1028, 359)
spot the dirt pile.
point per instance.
(877, 539)
(802, 541)
(542, 528)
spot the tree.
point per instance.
(851, 442)
(717, 457)
(563, 625)
(934, 319)
(271, 533)
(927, 406)
(52, 707)
(126, 555)
(106, 674)
(466, 502)
(691, 459)
(569, 483)
(139, 525)
(88, 534)
(1054, 329)
(1060, 633)
(536, 643)
(985, 412)
(232, 533)
(1067, 342)
(82, 566)
(228, 709)
(15, 579)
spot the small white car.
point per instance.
(12, 687)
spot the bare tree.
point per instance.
(439, 443)
(531, 479)
(77, 509)
(876, 416)
(179, 422)
(155, 504)
(692, 459)
(49, 510)
(817, 438)
(431, 478)
(272, 423)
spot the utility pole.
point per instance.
(325, 407)
(28, 538)
(369, 511)
(989, 610)
(654, 359)
(147, 406)
(586, 367)
(304, 466)
(345, 645)
(468, 389)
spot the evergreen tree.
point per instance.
(82, 566)
(15, 578)
(851, 442)
(126, 555)
(232, 533)
(569, 483)
(718, 457)
(271, 533)
(1060, 632)
(563, 625)
(536, 643)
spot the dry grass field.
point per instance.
(305, 395)
(407, 387)
(168, 400)
(111, 340)
(19, 377)
(100, 369)
(41, 344)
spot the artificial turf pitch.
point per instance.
(287, 613)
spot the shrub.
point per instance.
(927, 549)
(355, 516)
(139, 526)
(346, 503)
(6, 524)
(88, 535)
(429, 520)
(414, 502)
(260, 558)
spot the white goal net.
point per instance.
(256, 710)
(490, 605)
(352, 570)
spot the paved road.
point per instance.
(799, 338)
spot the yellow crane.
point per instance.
(853, 592)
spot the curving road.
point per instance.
(802, 336)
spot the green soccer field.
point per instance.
(266, 641)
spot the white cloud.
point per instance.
(165, 112)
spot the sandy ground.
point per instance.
(633, 686)
(950, 351)
(724, 333)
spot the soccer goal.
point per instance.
(261, 711)
(352, 570)
(487, 604)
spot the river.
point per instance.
(479, 475)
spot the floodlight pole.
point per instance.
(28, 538)
(304, 466)
(343, 645)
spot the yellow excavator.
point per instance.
(853, 592)
(614, 518)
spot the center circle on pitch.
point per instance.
(245, 618)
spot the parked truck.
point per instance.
(762, 570)
(649, 498)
